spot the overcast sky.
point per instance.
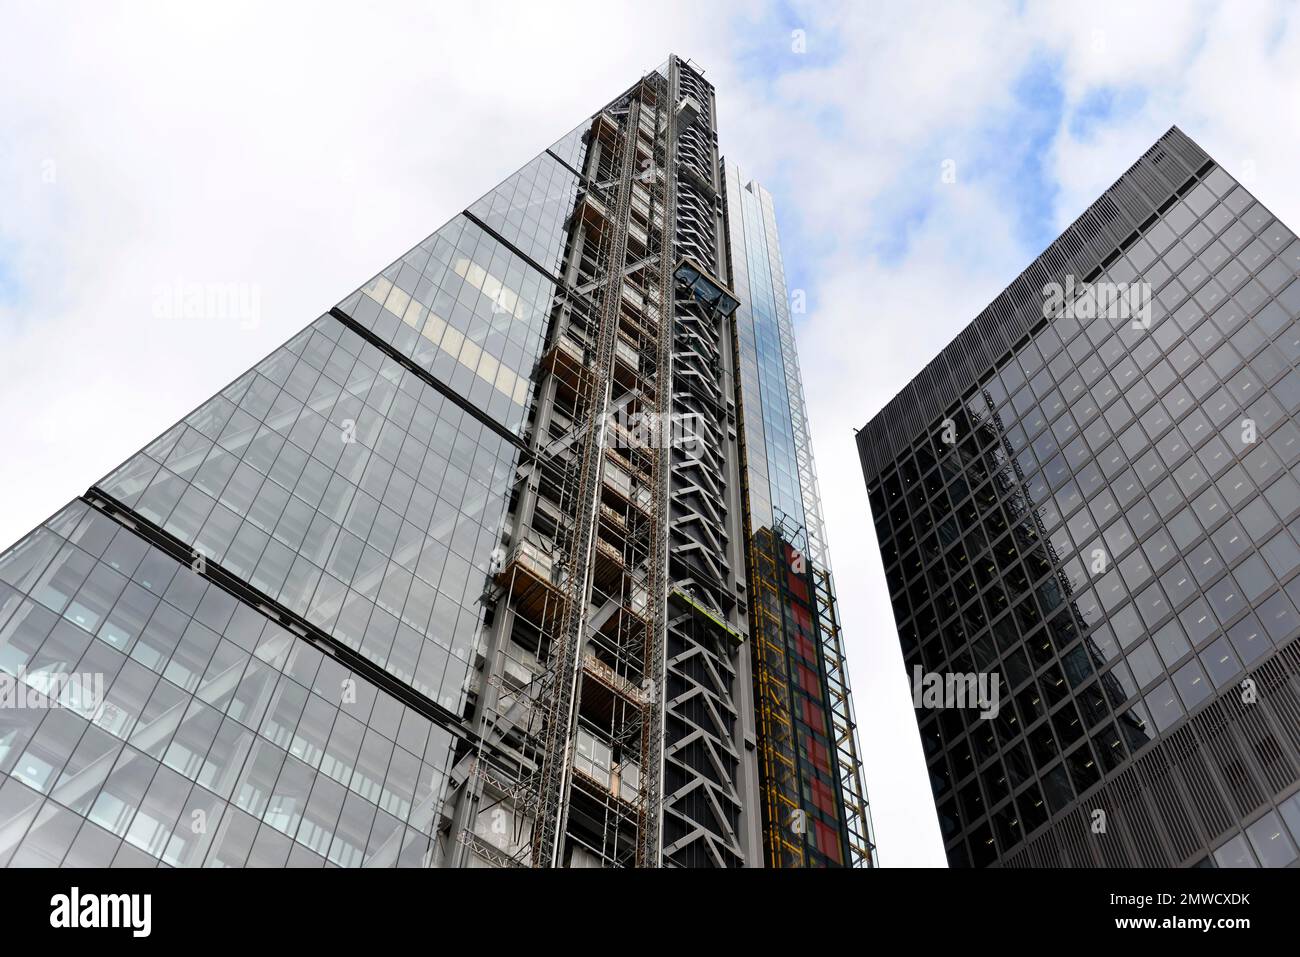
(290, 150)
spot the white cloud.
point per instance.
(910, 87)
(298, 147)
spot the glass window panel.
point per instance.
(1235, 853)
(1273, 846)
(1192, 684)
(116, 804)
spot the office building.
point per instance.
(1091, 495)
(458, 576)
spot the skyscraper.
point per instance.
(806, 736)
(461, 574)
(1089, 495)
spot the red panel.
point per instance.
(814, 716)
(823, 797)
(805, 648)
(809, 682)
(828, 841)
(821, 757)
(802, 618)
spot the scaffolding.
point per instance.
(569, 711)
(848, 764)
(777, 752)
(613, 702)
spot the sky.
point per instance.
(920, 155)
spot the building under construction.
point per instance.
(512, 558)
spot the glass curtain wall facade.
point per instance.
(815, 809)
(1100, 507)
(424, 587)
(283, 591)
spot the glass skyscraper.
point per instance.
(480, 568)
(1091, 495)
(806, 740)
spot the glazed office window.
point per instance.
(1151, 494)
(223, 714)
